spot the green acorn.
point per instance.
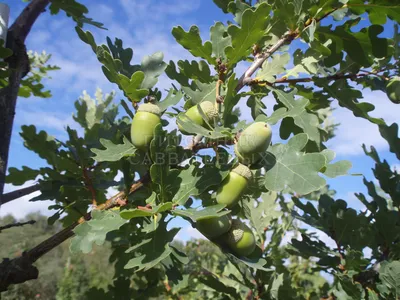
(253, 142)
(145, 120)
(240, 239)
(393, 90)
(214, 227)
(193, 114)
(233, 186)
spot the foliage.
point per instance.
(287, 194)
(31, 84)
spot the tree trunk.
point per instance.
(19, 65)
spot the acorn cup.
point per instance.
(233, 186)
(240, 239)
(194, 114)
(393, 90)
(253, 142)
(214, 227)
(144, 122)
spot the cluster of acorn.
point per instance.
(251, 144)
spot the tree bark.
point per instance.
(19, 66)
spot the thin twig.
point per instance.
(18, 224)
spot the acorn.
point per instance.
(214, 227)
(233, 186)
(253, 142)
(240, 239)
(193, 114)
(393, 90)
(144, 122)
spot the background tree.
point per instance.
(284, 185)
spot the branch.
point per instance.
(21, 269)
(19, 193)
(18, 224)
(351, 76)
(24, 22)
(19, 67)
(262, 57)
(200, 146)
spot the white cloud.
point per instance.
(152, 11)
(353, 132)
(45, 119)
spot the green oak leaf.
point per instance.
(308, 122)
(75, 10)
(257, 105)
(262, 213)
(19, 177)
(191, 127)
(220, 40)
(206, 213)
(372, 295)
(195, 180)
(358, 45)
(389, 133)
(214, 282)
(223, 4)
(91, 111)
(257, 263)
(377, 12)
(203, 92)
(172, 99)
(161, 174)
(154, 248)
(293, 168)
(276, 284)
(237, 8)
(132, 87)
(191, 41)
(41, 143)
(196, 70)
(114, 152)
(271, 68)
(390, 277)
(95, 230)
(347, 98)
(86, 37)
(336, 169)
(152, 66)
(254, 24)
(137, 213)
(231, 98)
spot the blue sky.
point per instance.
(146, 27)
